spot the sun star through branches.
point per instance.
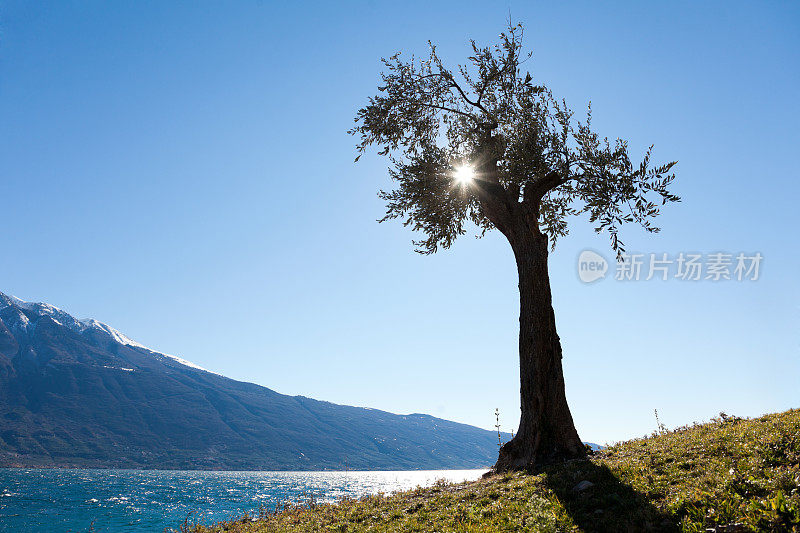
(464, 175)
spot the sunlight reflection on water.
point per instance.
(43, 500)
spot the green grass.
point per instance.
(731, 474)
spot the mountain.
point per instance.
(78, 393)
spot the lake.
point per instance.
(45, 500)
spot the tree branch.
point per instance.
(443, 108)
(493, 199)
(535, 190)
(454, 84)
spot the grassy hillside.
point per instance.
(729, 475)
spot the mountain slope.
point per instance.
(79, 393)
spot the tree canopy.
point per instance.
(533, 160)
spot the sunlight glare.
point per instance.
(464, 175)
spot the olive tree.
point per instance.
(485, 145)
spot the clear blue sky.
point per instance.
(181, 171)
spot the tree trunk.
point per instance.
(546, 431)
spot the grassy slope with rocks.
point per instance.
(728, 475)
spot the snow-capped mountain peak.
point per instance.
(116, 335)
(24, 315)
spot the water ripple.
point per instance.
(134, 501)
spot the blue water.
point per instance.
(51, 501)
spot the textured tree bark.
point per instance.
(546, 432)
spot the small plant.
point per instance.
(662, 429)
(497, 425)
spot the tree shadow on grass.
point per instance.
(608, 504)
